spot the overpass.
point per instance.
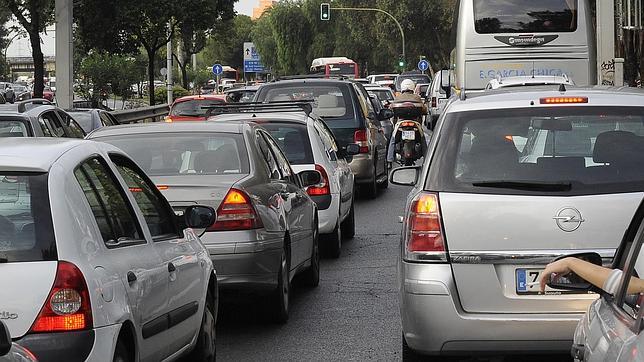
(25, 66)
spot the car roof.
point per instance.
(219, 97)
(290, 117)
(244, 88)
(307, 81)
(163, 127)
(523, 97)
(378, 87)
(32, 154)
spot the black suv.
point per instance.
(346, 109)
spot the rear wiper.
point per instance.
(527, 186)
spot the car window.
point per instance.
(282, 162)
(73, 129)
(10, 128)
(268, 159)
(578, 150)
(106, 120)
(156, 211)
(54, 123)
(327, 139)
(47, 132)
(113, 213)
(293, 140)
(492, 16)
(26, 229)
(194, 107)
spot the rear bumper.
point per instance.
(363, 168)
(433, 321)
(63, 346)
(247, 265)
(328, 218)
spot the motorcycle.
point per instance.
(409, 135)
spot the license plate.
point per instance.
(527, 282)
(408, 135)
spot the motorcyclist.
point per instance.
(407, 88)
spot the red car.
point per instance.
(47, 94)
(190, 108)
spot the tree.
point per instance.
(4, 43)
(262, 37)
(292, 33)
(198, 20)
(33, 16)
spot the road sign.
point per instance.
(217, 69)
(252, 60)
(423, 65)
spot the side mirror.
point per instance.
(199, 217)
(5, 339)
(572, 281)
(385, 113)
(352, 149)
(446, 82)
(405, 176)
(310, 178)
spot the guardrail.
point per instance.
(138, 115)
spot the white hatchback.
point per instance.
(93, 263)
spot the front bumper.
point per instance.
(245, 265)
(434, 323)
(362, 167)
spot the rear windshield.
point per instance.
(517, 16)
(160, 154)
(193, 108)
(342, 69)
(13, 129)
(331, 102)
(382, 78)
(417, 78)
(559, 151)
(294, 141)
(26, 231)
(383, 95)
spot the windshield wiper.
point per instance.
(526, 186)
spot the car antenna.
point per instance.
(562, 87)
(532, 70)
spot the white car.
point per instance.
(93, 263)
(383, 80)
(310, 145)
(11, 352)
(437, 96)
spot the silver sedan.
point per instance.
(267, 228)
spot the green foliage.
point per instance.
(226, 42)
(292, 33)
(161, 95)
(199, 77)
(262, 36)
(103, 74)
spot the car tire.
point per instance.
(205, 350)
(370, 190)
(312, 274)
(349, 224)
(333, 241)
(121, 353)
(408, 354)
(385, 184)
(282, 292)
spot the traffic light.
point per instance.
(325, 11)
(401, 61)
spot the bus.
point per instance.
(340, 66)
(505, 38)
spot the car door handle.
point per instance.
(131, 277)
(171, 268)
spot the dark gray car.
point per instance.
(37, 118)
(266, 230)
(91, 119)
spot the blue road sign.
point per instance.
(423, 65)
(217, 69)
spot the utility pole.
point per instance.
(606, 74)
(64, 54)
(169, 65)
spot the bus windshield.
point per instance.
(342, 69)
(545, 16)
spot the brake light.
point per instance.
(407, 124)
(424, 237)
(434, 102)
(360, 137)
(564, 100)
(236, 212)
(67, 307)
(324, 187)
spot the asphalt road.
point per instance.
(351, 316)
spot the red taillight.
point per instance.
(434, 102)
(324, 187)
(67, 307)
(425, 239)
(564, 100)
(408, 124)
(236, 212)
(360, 137)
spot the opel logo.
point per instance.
(569, 219)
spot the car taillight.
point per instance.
(360, 137)
(407, 124)
(324, 188)
(236, 212)
(424, 240)
(67, 307)
(563, 100)
(434, 102)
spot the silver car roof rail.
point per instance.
(260, 107)
(22, 106)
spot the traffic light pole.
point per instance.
(402, 33)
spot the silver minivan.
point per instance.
(511, 181)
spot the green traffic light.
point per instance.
(401, 64)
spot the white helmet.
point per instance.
(407, 85)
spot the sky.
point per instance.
(21, 48)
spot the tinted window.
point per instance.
(13, 129)
(342, 69)
(575, 150)
(157, 213)
(332, 102)
(26, 231)
(115, 218)
(269, 159)
(293, 139)
(54, 124)
(383, 95)
(160, 154)
(193, 108)
(417, 78)
(499, 16)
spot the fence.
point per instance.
(143, 114)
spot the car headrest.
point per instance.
(613, 146)
(327, 101)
